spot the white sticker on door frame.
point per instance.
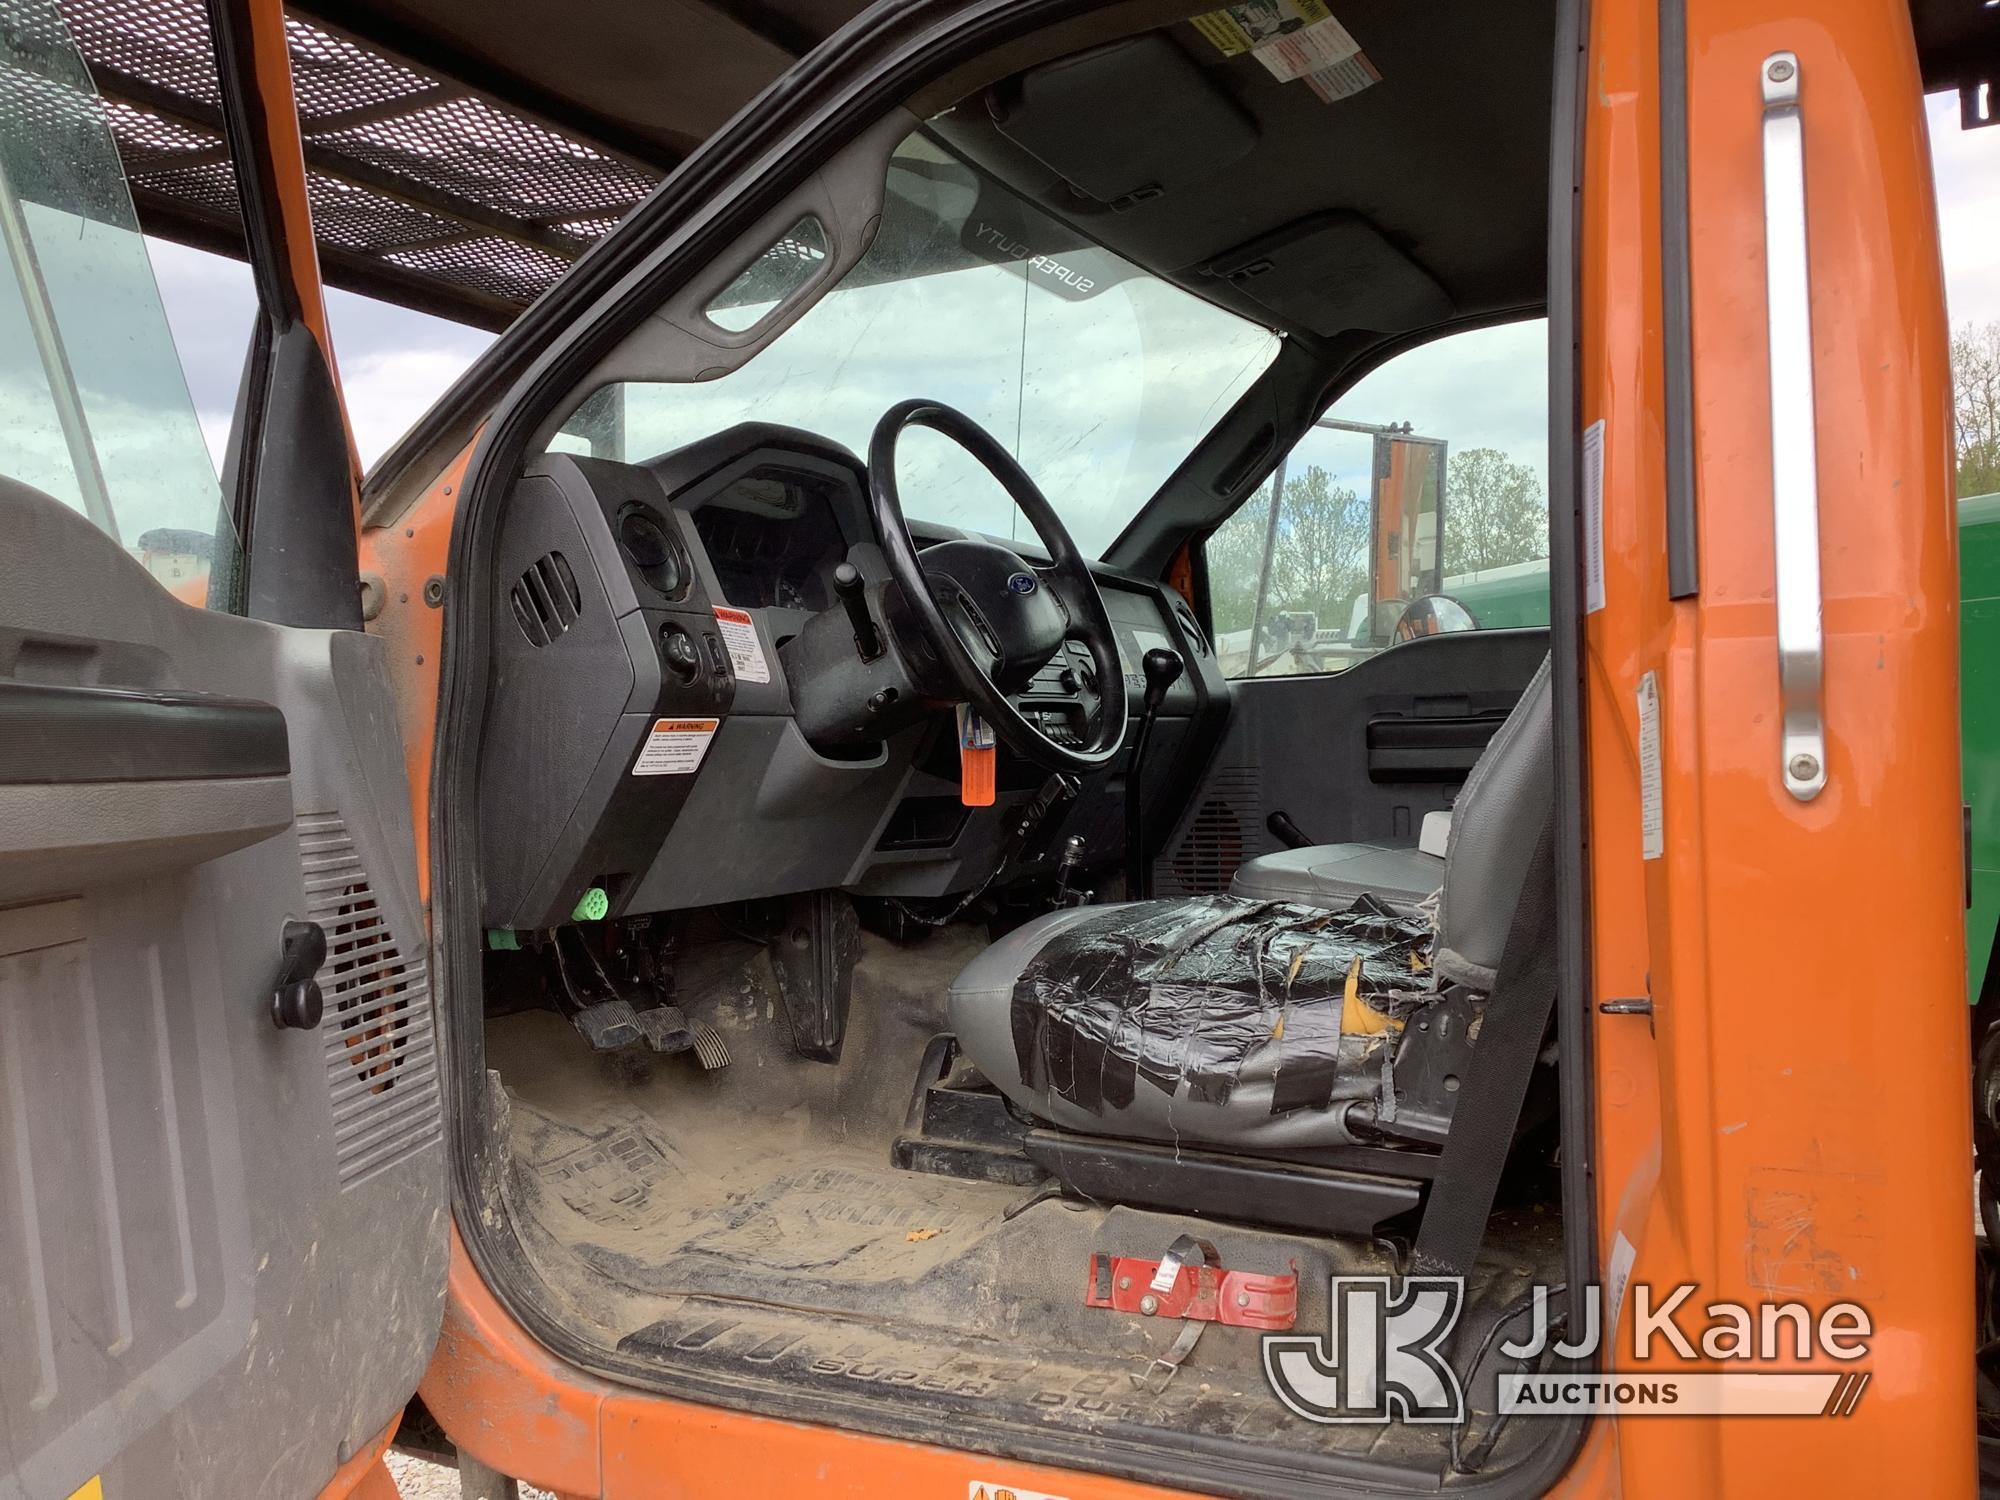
(1593, 517)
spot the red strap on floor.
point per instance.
(1203, 1293)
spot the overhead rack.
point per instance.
(424, 191)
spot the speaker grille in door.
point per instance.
(1221, 833)
(380, 1045)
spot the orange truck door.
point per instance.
(1771, 691)
(222, 1184)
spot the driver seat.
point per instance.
(1494, 828)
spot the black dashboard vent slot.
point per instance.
(546, 599)
(1191, 628)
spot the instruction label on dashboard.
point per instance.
(746, 652)
(675, 747)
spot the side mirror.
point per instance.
(1295, 629)
(1406, 525)
(1432, 614)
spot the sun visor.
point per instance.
(1332, 272)
(1099, 120)
(948, 217)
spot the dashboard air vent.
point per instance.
(1191, 628)
(546, 599)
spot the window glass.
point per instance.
(94, 409)
(1417, 505)
(1098, 377)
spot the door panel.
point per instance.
(221, 1242)
(1359, 755)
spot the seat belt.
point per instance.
(1489, 1106)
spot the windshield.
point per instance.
(1098, 377)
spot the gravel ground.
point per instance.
(420, 1479)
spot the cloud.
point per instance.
(1966, 166)
(388, 389)
(394, 363)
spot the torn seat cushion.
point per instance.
(1210, 1019)
(1332, 875)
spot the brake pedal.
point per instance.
(709, 1048)
(608, 1025)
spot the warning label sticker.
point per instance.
(1242, 27)
(1652, 816)
(675, 747)
(746, 652)
(1323, 44)
(1593, 517)
(1293, 39)
(1343, 80)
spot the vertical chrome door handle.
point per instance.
(1794, 454)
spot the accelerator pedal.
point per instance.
(666, 1029)
(709, 1049)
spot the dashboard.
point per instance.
(641, 734)
(772, 537)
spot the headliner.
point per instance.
(1444, 162)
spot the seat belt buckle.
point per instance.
(977, 754)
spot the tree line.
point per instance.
(1496, 511)
(1496, 514)
(1975, 385)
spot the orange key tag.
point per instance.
(976, 757)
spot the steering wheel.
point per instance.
(991, 619)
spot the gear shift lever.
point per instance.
(1162, 669)
(852, 591)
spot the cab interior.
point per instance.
(808, 1080)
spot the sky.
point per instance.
(393, 362)
(1966, 165)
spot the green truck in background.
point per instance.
(1979, 720)
(1519, 595)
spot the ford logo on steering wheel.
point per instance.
(1022, 583)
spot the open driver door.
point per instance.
(222, 1183)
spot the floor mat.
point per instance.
(748, 1225)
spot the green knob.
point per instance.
(503, 938)
(593, 906)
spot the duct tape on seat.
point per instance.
(1199, 990)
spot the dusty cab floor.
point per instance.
(747, 1223)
